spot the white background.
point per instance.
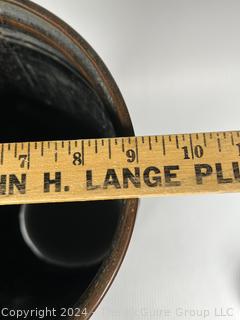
(177, 64)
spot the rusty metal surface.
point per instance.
(34, 20)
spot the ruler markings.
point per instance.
(96, 146)
(145, 171)
(204, 140)
(109, 149)
(15, 150)
(191, 145)
(163, 146)
(42, 148)
(56, 152)
(177, 142)
(123, 145)
(2, 153)
(219, 143)
(150, 143)
(232, 139)
(136, 143)
(69, 147)
(83, 152)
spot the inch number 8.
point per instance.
(77, 158)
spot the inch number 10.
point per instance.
(197, 152)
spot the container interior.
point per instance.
(42, 97)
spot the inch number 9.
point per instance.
(131, 154)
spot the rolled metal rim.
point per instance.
(52, 30)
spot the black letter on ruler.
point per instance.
(3, 183)
(13, 181)
(220, 178)
(236, 171)
(134, 178)
(89, 181)
(155, 181)
(48, 181)
(111, 179)
(200, 174)
(169, 176)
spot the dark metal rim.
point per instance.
(100, 78)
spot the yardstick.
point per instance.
(119, 168)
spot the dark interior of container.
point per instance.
(43, 98)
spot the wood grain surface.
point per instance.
(129, 167)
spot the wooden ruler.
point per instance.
(130, 167)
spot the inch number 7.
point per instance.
(23, 159)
